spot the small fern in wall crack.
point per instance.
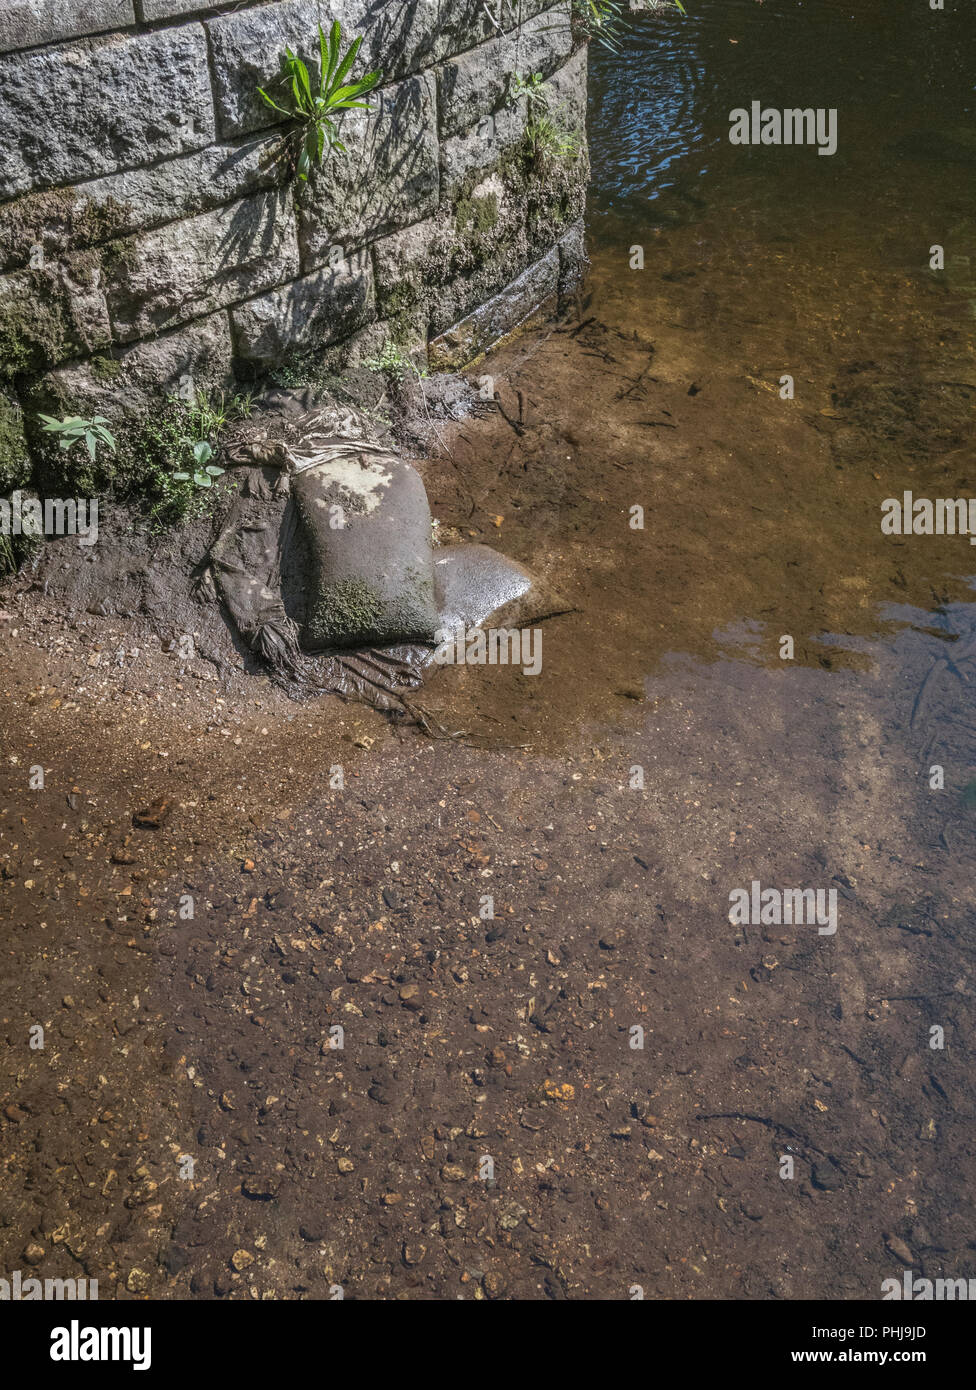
(315, 107)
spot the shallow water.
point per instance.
(762, 518)
(773, 260)
(763, 515)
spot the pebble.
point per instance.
(410, 998)
(899, 1249)
(511, 1215)
(826, 1177)
(261, 1187)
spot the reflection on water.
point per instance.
(796, 263)
(762, 513)
(901, 78)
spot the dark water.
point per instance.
(902, 78)
(835, 247)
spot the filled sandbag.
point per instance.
(372, 590)
(368, 528)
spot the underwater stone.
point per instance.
(573, 259)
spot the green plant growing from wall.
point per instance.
(314, 108)
(547, 138)
(532, 88)
(393, 361)
(605, 21)
(75, 430)
(164, 462)
(181, 445)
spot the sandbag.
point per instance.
(374, 591)
(368, 526)
(475, 586)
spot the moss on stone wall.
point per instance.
(476, 216)
(45, 316)
(501, 221)
(105, 370)
(15, 459)
(58, 220)
(33, 333)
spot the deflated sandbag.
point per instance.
(368, 526)
(475, 586)
(244, 568)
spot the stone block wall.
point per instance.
(153, 238)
